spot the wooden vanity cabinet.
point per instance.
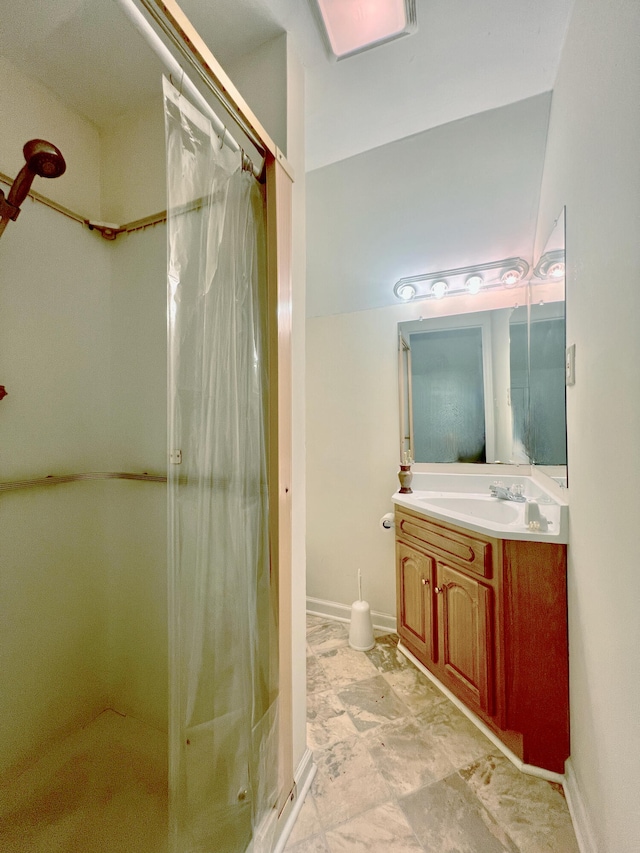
(488, 618)
(466, 637)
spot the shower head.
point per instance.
(42, 159)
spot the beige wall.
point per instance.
(353, 445)
(135, 517)
(54, 352)
(31, 111)
(83, 353)
(133, 182)
(592, 168)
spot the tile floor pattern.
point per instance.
(402, 770)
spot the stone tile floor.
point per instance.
(402, 770)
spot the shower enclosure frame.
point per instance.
(169, 17)
(166, 23)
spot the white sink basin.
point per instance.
(465, 501)
(487, 508)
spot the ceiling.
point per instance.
(464, 59)
(467, 62)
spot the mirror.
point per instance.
(488, 386)
(546, 435)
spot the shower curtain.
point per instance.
(223, 777)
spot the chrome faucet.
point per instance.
(504, 493)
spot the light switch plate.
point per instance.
(570, 365)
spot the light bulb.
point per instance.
(439, 288)
(511, 276)
(474, 283)
(406, 292)
(556, 270)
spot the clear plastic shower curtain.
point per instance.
(223, 770)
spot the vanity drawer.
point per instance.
(462, 549)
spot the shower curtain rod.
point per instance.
(36, 196)
(110, 230)
(182, 81)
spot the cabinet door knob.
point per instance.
(425, 581)
(439, 589)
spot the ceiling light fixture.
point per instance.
(351, 26)
(464, 280)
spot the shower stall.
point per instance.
(145, 499)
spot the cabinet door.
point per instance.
(466, 636)
(415, 574)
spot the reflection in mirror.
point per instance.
(406, 396)
(519, 381)
(450, 363)
(488, 386)
(546, 439)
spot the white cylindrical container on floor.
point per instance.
(361, 629)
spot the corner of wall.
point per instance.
(262, 78)
(132, 167)
(30, 110)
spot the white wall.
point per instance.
(133, 173)
(83, 354)
(31, 111)
(54, 352)
(592, 168)
(353, 445)
(263, 77)
(352, 455)
(136, 513)
(464, 193)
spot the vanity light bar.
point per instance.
(506, 273)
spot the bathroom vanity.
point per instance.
(481, 604)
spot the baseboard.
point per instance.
(531, 769)
(342, 613)
(305, 772)
(585, 835)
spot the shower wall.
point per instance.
(83, 357)
(83, 336)
(30, 110)
(54, 357)
(137, 512)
